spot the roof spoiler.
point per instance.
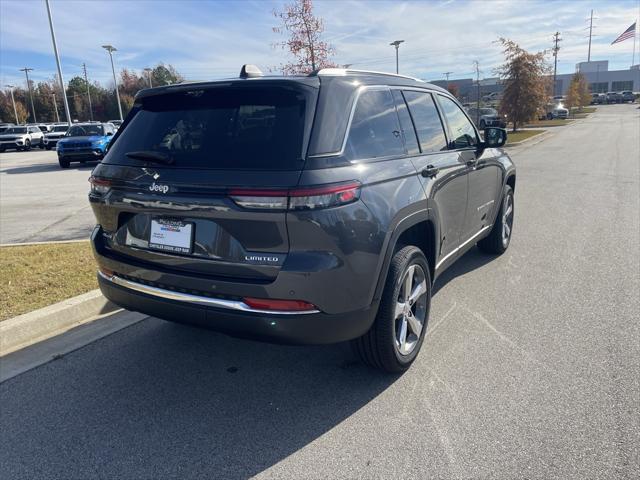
(250, 71)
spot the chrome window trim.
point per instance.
(459, 247)
(357, 94)
(195, 299)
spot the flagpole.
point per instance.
(633, 58)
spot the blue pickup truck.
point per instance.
(84, 142)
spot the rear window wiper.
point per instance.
(150, 156)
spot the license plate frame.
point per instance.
(171, 235)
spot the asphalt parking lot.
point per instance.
(40, 201)
(530, 368)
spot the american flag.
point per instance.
(628, 33)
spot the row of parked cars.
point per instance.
(80, 142)
(613, 97)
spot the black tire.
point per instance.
(549, 116)
(48, 147)
(379, 347)
(64, 163)
(496, 242)
(27, 145)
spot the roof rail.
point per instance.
(344, 71)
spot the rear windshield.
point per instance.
(60, 129)
(261, 128)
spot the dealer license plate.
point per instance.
(171, 235)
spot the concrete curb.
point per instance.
(52, 242)
(540, 136)
(33, 327)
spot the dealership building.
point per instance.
(599, 78)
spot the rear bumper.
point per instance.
(297, 329)
(216, 304)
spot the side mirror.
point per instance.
(494, 137)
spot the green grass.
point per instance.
(34, 276)
(556, 122)
(521, 135)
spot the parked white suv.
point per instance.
(21, 138)
(56, 133)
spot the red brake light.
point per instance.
(99, 185)
(282, 305)
(305, 198)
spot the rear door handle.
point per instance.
(430, 171)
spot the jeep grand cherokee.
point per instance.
(307, 209)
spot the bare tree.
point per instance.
(522, 75)
(304, 41)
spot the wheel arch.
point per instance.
(418, 230)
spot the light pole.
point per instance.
(149, 70)
(556, 48)
(86, 81)
(396, 43)
(55, 105)
(55, 51)
(13, 100)
(33, 109)
(111, 49)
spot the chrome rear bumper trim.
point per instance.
(196, 299)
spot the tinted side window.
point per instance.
(427, 121)
(374, 131)
(462, 132)
(408, 132)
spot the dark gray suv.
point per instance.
(308, 210)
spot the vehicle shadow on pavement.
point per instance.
(160, 400)
(48, 167)
(473, 259)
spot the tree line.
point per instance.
(526, 79)
(47, 97)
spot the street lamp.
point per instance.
(396, 43)
(149, 70)
(111, 49)
(15, 112)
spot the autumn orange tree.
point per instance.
(452, 88)
(578, 94)
(524, 84)
(304, 42)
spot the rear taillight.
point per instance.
(262, 199)
(99, 186)
(279, 305)
(306, 198)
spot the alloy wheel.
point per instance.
(411, 309)
(507, 219)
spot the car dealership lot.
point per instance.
(530, 368)
(40, 201)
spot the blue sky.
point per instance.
(212, 39)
